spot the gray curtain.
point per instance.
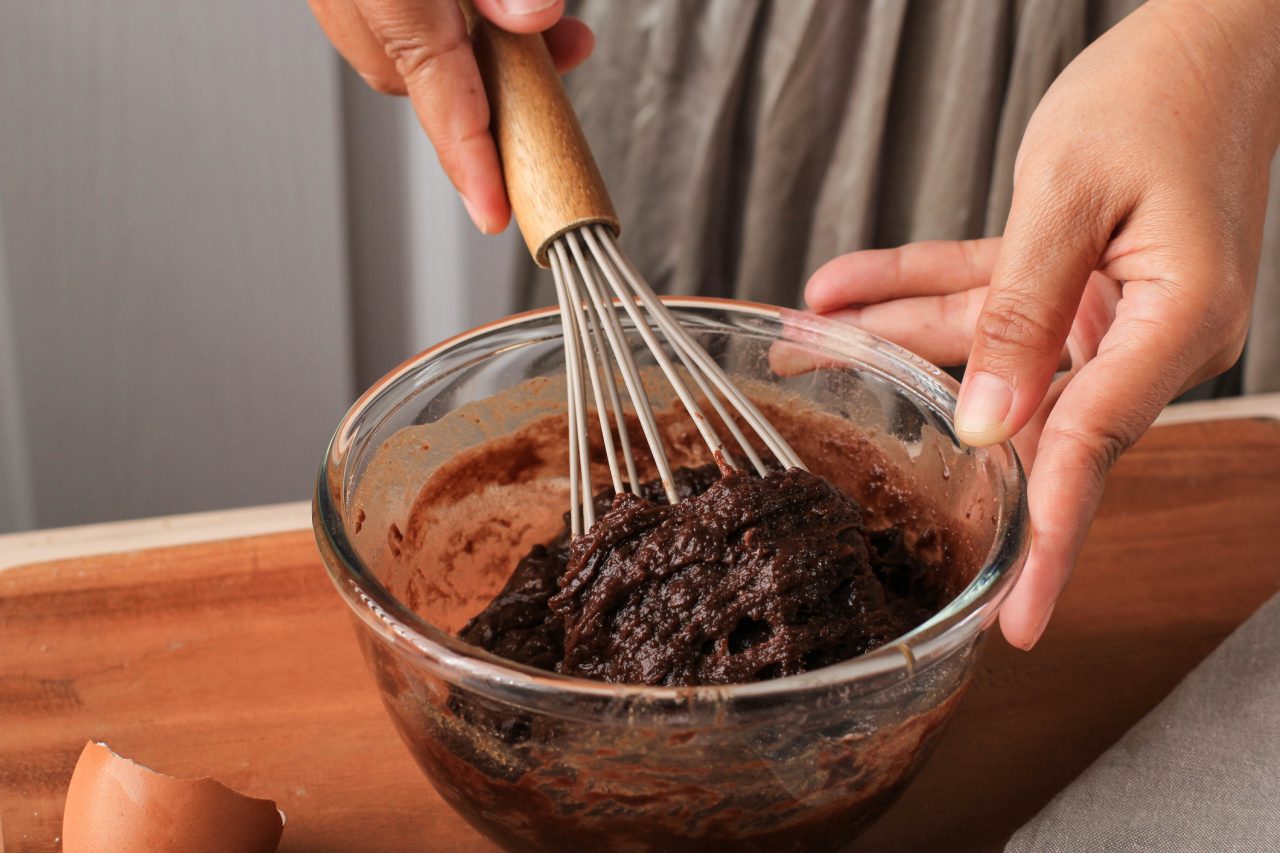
(746, 142)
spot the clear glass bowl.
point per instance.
(536, 760)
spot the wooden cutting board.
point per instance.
(236, 659)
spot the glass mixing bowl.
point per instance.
(418, 533)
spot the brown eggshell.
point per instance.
(114, 804)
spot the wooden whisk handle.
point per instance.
(552, 179)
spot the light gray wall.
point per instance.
(17, 509)
(192, 203)
(420, 272)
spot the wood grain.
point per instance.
(552, 179)
(236, 659)
(233, 659)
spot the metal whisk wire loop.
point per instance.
(594, 279)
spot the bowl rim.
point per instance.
(960, 621)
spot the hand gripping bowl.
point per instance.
(451, 467)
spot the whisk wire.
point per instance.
(623, 355)
(684, 342)
(628, 302)
(591, 354)
(577, 426)
(687, 351)
(587, 265)
(603, 347)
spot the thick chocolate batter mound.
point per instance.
(519, 624)
(749, 579)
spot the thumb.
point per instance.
(1055, 236)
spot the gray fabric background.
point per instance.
(1200, 773)
(746, 142)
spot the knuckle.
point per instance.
(1210, 323)
(1097, 448)
(1239, 325)
(955, 309)
(895, 268)
(1065, 196)
(1226, 358)
(415, 59)
(969, 256)
(1017, 322)
(1059, 181)
(1217, 366)
(1047, 168)
(1221, 305)
(451, 148)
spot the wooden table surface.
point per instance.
(236, 659)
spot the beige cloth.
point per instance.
(746, 142)
(1200, 773)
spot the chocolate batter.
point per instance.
(748, 578)
(519, 624)
(801, 773)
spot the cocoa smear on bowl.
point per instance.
(806, 778)
(482, 509)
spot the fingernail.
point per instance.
(479, 220)
(983, 406)
(526, 7)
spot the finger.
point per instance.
(1028, 438)
(939, 329)
(570, 41)
(427, 41)
(916, 269)
(346, 29)
(521, 16)
(936, 328)
(1057, 229)
(1101, 413)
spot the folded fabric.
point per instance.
(1200, 772)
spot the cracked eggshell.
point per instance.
(115, 804)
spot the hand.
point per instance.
(420, 48)
(1125, 274)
